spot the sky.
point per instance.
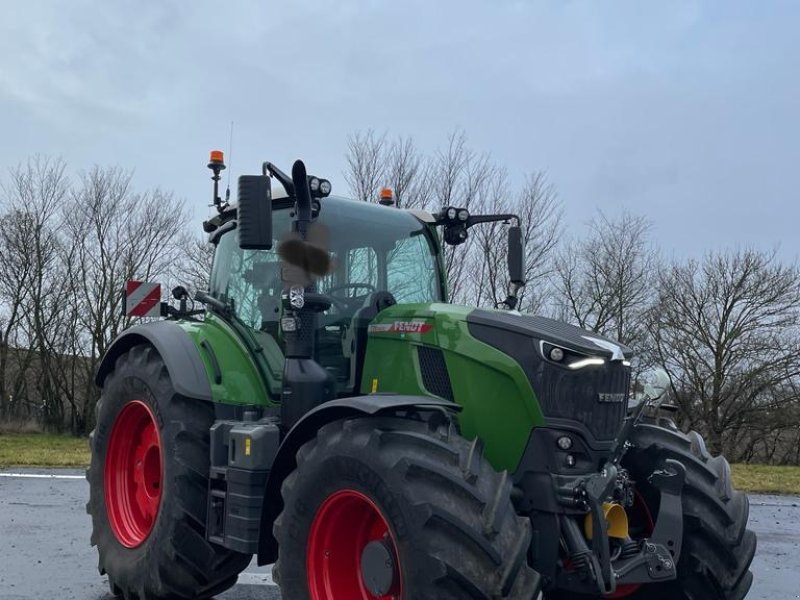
(686, 112)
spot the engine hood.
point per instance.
(554, 332)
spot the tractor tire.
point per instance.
(399, 508)
(148, 487)
(717, 547)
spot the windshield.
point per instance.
(373, 248)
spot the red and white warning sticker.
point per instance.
(401, 327)
(142, 299)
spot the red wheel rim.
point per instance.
(344, 525)
(641, 513)
(133, 474)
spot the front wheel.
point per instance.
(717, 546)
(390, 508)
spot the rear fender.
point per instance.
(306, 428)
(176, 348)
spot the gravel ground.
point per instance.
(44, 532)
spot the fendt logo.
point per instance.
(611, 398)
(401, 327)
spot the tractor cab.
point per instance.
(305, 274)
(379, 256)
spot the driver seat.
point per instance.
(359, 332)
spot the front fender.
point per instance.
(176, 348)
(306, 428)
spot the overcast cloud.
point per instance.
(684, 111)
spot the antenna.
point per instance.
(230, 164)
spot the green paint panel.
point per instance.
(241, 381)
(499, 405)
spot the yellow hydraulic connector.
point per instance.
(616, 521)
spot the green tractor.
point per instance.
(332, 414)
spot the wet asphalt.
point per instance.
(45, 552)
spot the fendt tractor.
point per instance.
(325, 409)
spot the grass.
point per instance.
(762, 479)
(42, 450)
(45, 450)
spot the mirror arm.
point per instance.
(303, 197)
(270, 169)
(218, 305)
(476, 219)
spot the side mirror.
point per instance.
(516, 256)
(255, 212)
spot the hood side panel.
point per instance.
(499, 404)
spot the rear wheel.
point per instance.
(391, 508)
(148, 484)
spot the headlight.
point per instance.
(586, 362)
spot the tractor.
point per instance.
(326, 410)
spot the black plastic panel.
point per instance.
(435, 377)
(549, 330)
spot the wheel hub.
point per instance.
(351, 552)
(133, 474)
(378, 567)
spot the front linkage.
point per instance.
(594, 568)
(651, 560)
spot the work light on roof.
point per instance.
(319, 187)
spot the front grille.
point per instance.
(594, 396)
(435, 377)
(590, 395)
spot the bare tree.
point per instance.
(31, 249)
(488, 277)
(407, 173)
(727, 329)
(457, 175)
(366, 165)
(14, 276)
(540, 218)
(606, 282)
(194, 267)
(541, 214)
(65, 255)
(117, 235)
(463, 178)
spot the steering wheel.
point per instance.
(348, 286)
